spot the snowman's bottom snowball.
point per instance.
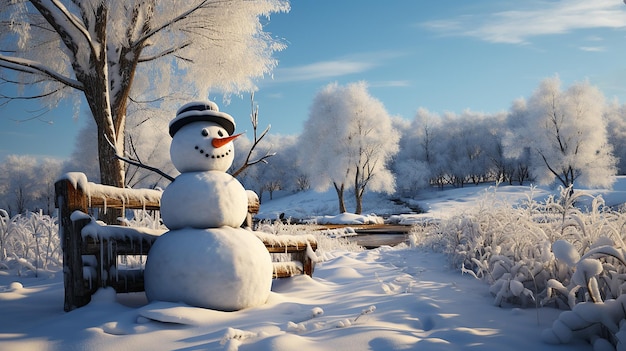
(224, 268)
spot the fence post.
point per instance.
(69, 199)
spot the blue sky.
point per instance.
(444, 55)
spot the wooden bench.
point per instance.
(91, 249)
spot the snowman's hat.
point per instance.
(201, 111)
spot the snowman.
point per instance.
(206, 259)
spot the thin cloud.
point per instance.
(321, 70)
(592, 48)
(324, 70)
(276, 96)
(390, 84)
(540, 18)
(594, 38)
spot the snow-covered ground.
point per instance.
(399, 298)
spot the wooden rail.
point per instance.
(91, 249)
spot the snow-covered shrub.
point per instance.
(325, 241)
(29, 242)
(5, 222)
(143, 218)
(595, 292)
(602, 324)
(552, 253)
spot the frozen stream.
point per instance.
(371, 241)
(373, 236)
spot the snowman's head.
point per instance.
(202, 138)
(202, 146)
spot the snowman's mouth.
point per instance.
(207, 155)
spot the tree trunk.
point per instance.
(109, 118)
(260, 194)
(342, 204)
(110, 122)
(358, 192)
(111, 169)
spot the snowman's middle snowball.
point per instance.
(204, 200)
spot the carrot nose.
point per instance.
(219, 142)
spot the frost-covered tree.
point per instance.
(316, 150)
(616, 119)
(502, 168)
(48, 171)
(148, 142)
(84, 157)
(348, 141)
(17, 175)
(519, 159)
(28, 184)
(566, 134)
(470, 142)
(279, 172)
(98, 48)
(456, 147)
(483, 144)
(415, 158)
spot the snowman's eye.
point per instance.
(205, 132)
(219, 132)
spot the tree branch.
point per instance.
(164, 53)
(31, 97)
(556, 174)
(64, 31)
(36, 68)
(72, 20)
(139, 164)
(168, 24)
(254, 118)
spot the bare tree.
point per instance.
(97, 47)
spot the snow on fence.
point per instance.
(91, 248)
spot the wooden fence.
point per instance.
(92, 250)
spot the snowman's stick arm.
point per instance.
(248, 164)
(139, 164)
(254, 119)
(142, 165)
(256, 142)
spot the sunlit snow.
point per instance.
(399, 298)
